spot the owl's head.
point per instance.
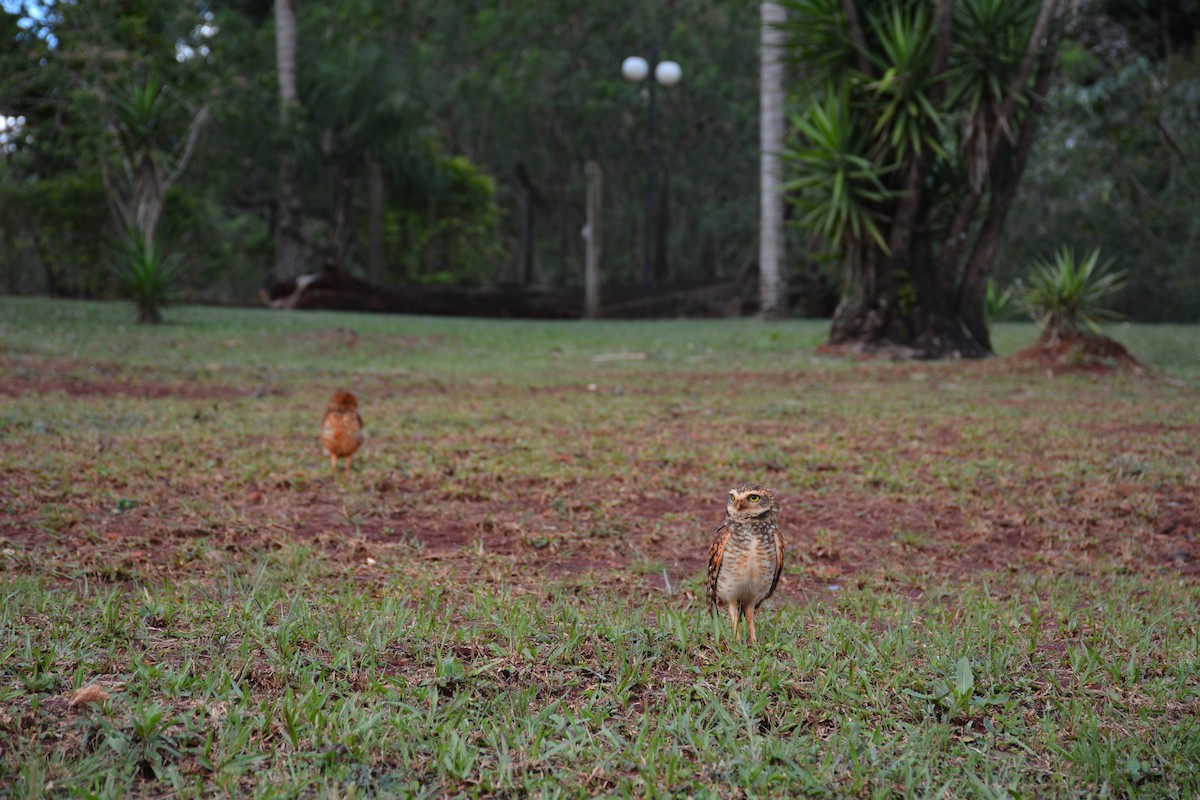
(343, 401)
(750, 500)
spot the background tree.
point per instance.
(366, 117)
(153, 152)
(363, 120)
(539, 84)
(915, 124)
(65, 71)
(1119, 164)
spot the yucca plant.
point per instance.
(146, 274)
(1068, 294)
(905, 114)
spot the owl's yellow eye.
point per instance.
(753, 498)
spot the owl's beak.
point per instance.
(739, 505)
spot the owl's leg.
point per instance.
(733, 615)
(750, 620)
(348, 464)
(333, 461)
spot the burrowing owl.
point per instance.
(747, 554)
(341, 428)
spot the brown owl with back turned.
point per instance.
(746, 557)
(341, 428)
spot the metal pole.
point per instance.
(591, 270)
(648, 233)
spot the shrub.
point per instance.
(1067, 294)
(147, 275)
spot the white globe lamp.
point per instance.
(635, 68)
(667, 73)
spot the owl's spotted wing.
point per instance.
(716, 555)
(778, 567)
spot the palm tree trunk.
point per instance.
(289, 244)
(772, 277)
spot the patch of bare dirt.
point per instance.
(1079, 352)
(518, 535)
(20, 379)
(616, 528)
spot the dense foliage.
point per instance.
(450, 102)
(429, 134)
(1118, 166)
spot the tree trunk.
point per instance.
(146, 199)
(375, 212)
(1004, 189)
(894, 310)
(290, 243)
(341, 232)
(54, 286)
(909, 250)
(772, 281)
(999, 143)
(148, 172)
(526, 201)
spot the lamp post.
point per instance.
(636, 69)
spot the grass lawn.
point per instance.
(992, 584)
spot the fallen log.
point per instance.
(338, 291)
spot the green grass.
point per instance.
(481, 608)
(288, 681)
(197, 341)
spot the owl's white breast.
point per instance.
(747, 571)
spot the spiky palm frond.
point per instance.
(874, 112)
(990, 39)
(143, 116)
(839, 187)
(817, 32)
(906, 121)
